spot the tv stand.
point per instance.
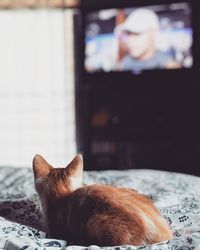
(133, 128)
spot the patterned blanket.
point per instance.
(176, 195)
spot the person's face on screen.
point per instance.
(141, 45)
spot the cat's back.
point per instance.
(113, 215)
(104, 197)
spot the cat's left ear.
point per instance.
(74, 171)
(41, 167)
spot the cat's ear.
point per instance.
(40, 167)
(74, 171)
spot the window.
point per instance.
(36, 86)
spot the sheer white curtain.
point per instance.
(36, 87)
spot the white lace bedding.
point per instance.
(176, 195)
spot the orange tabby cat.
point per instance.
(95, 214)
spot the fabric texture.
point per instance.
(177, 196)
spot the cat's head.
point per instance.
(57, 182)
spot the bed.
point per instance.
(176, 195)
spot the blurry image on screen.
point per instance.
(137, 39)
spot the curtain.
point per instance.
(36, 86)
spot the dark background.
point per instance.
(147, 121)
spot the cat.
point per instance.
(96, 214)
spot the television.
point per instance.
(136, 37)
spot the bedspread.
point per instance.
(177, 196)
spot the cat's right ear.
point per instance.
(75, 167)
(40, 167)
(74, 171)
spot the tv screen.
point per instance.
(139, 38)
